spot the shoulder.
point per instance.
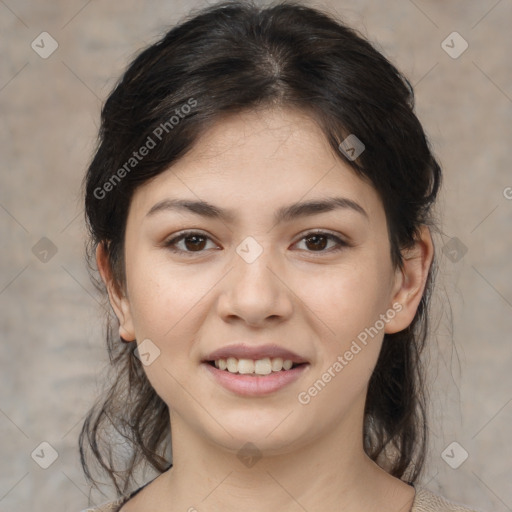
(424, 501)
(428, 501)
(111, 506)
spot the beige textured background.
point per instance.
(52, 350)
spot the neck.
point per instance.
(329, 473)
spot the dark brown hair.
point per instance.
(237, 56)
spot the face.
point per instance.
(250, 271)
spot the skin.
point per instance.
(298, 293)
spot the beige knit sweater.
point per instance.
(424, 501)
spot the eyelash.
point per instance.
(170, 244)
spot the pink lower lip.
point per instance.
(250, 385)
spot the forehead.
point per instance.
(255, 160)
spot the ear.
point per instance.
(410, 281)
(117, 297)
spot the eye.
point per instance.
(318, 240)
(194, 241)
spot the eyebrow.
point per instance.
(283, 214)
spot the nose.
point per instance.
(256, 292)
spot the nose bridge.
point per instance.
(253, 291)
(252, 273)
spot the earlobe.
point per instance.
(117, 297)
(411, 280)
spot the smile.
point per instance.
(245, 366)
(250, 383)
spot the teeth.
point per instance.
(263, 366)
(277, 364)
(248, 366)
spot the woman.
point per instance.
(260, 210)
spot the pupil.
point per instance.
(195, 242)
(316, 237)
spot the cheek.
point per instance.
(348, 298)
(349, 301)
(166, 306)
(162, 298)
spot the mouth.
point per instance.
(250, 367)
(254, 371)
(254, 384)
(254, 360)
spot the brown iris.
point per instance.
(198, 242)
(316, 244)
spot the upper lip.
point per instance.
(241, 351)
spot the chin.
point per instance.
(269, 435)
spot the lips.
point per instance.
(255, 386)
(241, 351)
